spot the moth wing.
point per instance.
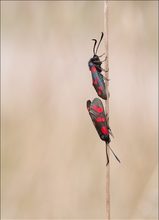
(97, 102)
(97, 114)
(88, 104)
(91, 113)
(96, 108)
(101, 76)
(100, 86)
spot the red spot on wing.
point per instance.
(95, 81)
(100, 88)
(97, 108)
(99, 92)
(104, 130)
(93, 69)
(100, 119)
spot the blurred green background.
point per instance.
(53, 162)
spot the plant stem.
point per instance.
(107, 105)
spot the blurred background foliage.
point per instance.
(53, 163)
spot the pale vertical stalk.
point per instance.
(107, 104)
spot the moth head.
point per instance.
(105, 138)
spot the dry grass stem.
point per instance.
(107, 105)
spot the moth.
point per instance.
(101, 122)
(98, 80)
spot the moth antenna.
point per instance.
(114, 153)
(100, 41)
(94, 46)
(106, 150)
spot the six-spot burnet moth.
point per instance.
(96, 69)
(100, 121)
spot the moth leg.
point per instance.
(104, 59)
(100, 68)
(107, 119)
(101, 55)
(105, 70)
(105, 78)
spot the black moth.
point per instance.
(96, 69)
(100, 121)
